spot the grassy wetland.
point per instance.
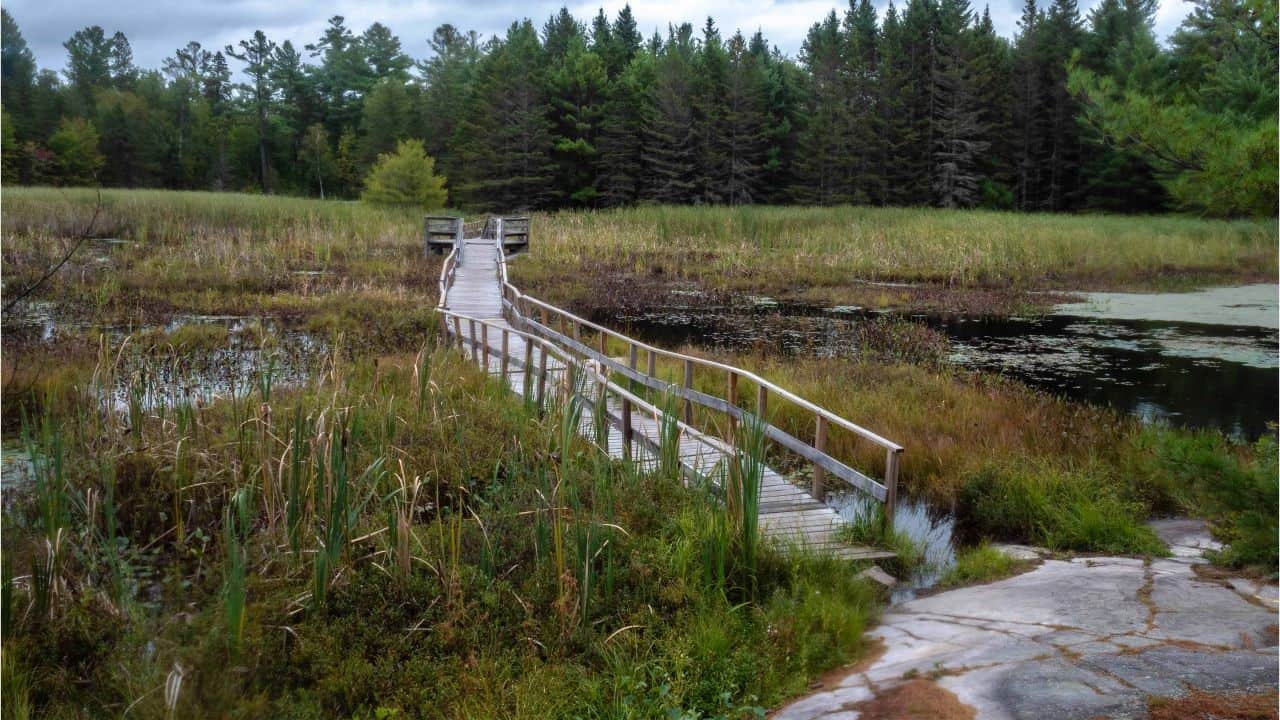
(910, 259)
(249, 483)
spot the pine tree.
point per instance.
(823, 140)
(1030, 117)
(1063, 144)
(576, 86)
(120, 63)
(503, 146)
(626, 42)
(959, 138)
(991, 77)
(447, 76)
(782, 89)
(17, 77)
(256, 54)
(745, 123)
(341, 76)
(710, 118)
(622, 180)
(383, 58)
(385, 119)
(862, 164)
(670, 141)
(89, 63)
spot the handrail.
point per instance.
(739, 372)
(599, 378)
(524, 311)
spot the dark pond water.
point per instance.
(1219, 371)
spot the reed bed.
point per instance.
(152, 253)
(830, 254)
(394, 534)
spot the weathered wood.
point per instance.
(506, 351)
(891, 484)
(773, 433)
(688, 385)
(528, 368)
(819, 473)
(475, 290)
(542, 380)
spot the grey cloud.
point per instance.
(156, 27)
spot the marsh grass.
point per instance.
(791, 251)
(980, 563)
(396, 517)
(219, 254)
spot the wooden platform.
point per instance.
(788, 513)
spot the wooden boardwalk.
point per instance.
(477, 313)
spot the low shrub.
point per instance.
(1235, 487)
(1027, 501)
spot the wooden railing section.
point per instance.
(562, 335)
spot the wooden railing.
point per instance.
(561, 334)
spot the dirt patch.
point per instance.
(1211, 706)
(918, 699)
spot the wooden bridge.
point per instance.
(543, 352)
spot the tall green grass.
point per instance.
(785, 249)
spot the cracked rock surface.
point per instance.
(1082, 638)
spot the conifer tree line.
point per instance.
(921, 105)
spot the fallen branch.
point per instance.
(84, 235)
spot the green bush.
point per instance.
(405, 177)
(1060, 509)
(1235, 488)
(75, 144)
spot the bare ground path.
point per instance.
(1084, 638)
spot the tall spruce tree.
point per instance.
(670, 134)
(503, 146)
(823, 143)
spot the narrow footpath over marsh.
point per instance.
(1089, 637)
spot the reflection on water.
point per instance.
(1193, 374)
(929, 530)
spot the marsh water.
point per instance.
(1203, 359)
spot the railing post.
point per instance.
(506, 348)
(819, 474)
(762, 402)
(484, 341)
(733, 400)
(653, 363)
(475, 351)
(688, 385)
(632, 355)
(444, 328)
(604, 343)
(892, 458)
(563, 330)
(626, 428)
(601, 412)
(542, 378)
(457, 330)
(528, 368)
(577, 331)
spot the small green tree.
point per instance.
(405, 177)
(75, 145)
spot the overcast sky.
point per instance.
(155, 28)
